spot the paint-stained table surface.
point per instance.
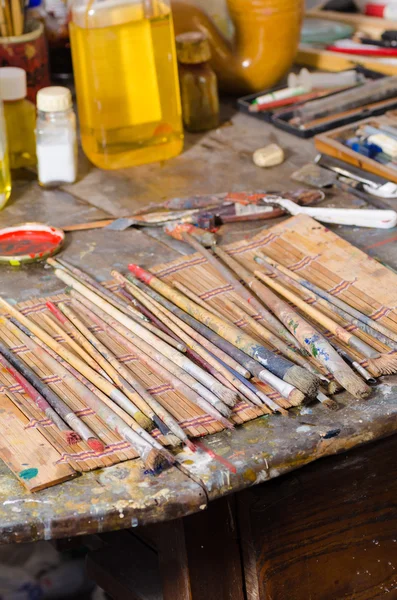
(122, 496)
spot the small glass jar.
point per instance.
(56, 140)
(199, 86)
(20, 117)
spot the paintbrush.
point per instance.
(359, 368)
(238, 383)
(149, 304)
(58, 405)
(192, 296)
(104, 384)
(71, 437)
(275, 342)
(136, 407)
(3, 23)
(280, 367)
(124, 378)
(208, 387)
(252, 366)
(17, 17)
(147, 355)
(153, 455)
(200, 353)
(172, 367)
(271, 321)
(76, 342)
(332, 386)
(377, 330)
(148, 314)
(272, 339)
(93, 285)
(309, 337)
(211, 348)
(385, 364)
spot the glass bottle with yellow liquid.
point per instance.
(20, 118)
(5, 176)
(126, 78)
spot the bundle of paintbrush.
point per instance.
(283, 329)
(326, 327)
(81, 348)
(205, 374)
(285, 321)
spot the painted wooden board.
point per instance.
(27, 453)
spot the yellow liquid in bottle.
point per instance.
(127, 84)
(5, 179)
(20, 118)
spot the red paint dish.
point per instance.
(29, 242)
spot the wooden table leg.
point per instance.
(195, 558)
(200, 555)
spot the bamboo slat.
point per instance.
(27, 452)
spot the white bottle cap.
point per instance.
(54, 99)
(12, 83)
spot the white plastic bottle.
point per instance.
(56, 137)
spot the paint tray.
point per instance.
(331, 143)
(279, 117)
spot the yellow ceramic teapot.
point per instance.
(265, 40)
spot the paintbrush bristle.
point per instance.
(143, 421)
(386, 364)
(331, 404)
(373, 369)
(354, 384)
(296, 397)
(155, 461)
(229, 397)
(334, 387)
(223, 409)
(303, 380)
(171, 440)
(327, 402)
(71, 437)
(283, 402)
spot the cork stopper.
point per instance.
(192, 48)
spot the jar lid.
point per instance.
(12, 83)
(54, 99)
(192, 48)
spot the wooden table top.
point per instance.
(121, 496)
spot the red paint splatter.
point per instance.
(230, 466)
(381, 242)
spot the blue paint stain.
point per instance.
(29, 473)
(316, 350)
